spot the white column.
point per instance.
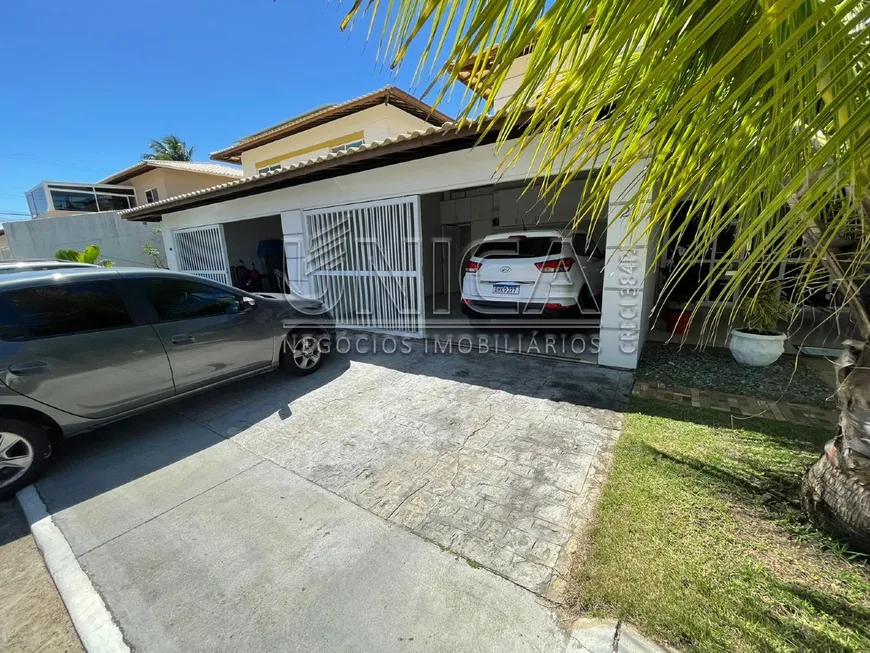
(623, 307)
(166, 227)
(296, 250)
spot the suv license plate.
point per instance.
(505, 289)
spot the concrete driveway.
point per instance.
(404, 502)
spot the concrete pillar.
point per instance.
(296, 250)
(624, 309)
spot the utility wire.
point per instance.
(5, 154)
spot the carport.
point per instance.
(455, 222)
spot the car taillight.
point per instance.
(472, 266)
(556, 307)
(557, 265)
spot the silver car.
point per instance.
(81, 347)
(23, 265)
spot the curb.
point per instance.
(89, 615)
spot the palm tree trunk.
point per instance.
(835, 493)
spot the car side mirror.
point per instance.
(248, 304)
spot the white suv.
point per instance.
(528, 273)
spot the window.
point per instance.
(113, 202)
(347, 146)
(151, 195)
(37, 201)
(277, 166)
(179, 299)
(520, 248)
(73, 201)
(57, 310)
(88, 199)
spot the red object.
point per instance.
(677, 322)
(467, 302)
(557, 265)
(556, 306)
(472, 266)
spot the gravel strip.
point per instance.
(790, 379)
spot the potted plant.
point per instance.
(678, 317)
(758, 343)
(678, 309)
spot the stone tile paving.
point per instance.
(739, 405)
(493, 456)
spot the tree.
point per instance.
(754, 113)
(89, 254)
(152, 251)
(168, 148)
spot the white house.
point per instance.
(375, 200)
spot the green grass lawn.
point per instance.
(788, 379)
(699, 542)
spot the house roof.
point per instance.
(417, 144)
(387, 95)
(203, 168)
(474, 79)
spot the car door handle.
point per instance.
(183, 339)
(28, 368)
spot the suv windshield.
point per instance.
(534, 247)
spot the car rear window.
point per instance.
(534, 247)
(62, 309)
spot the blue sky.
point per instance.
(85, 85)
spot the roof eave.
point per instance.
(126, 174)
(389, 95)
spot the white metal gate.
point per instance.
(203, 252)
(365, 262)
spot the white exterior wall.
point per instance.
(376, 123)
(628, 292)
(512, 81)
(626, 300)
(120, 240)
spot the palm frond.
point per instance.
(66, 255)
(757, 112)
(168, 148)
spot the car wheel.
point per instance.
(303, 353)
(24, 452)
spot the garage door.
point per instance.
(365, 261)
(203, 252)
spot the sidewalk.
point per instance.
(32, 616)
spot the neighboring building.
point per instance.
(75, 215)
(142, 183)
(52, 199)
(156, 180)
(5, 252)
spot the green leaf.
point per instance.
(757, 113)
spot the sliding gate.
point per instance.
(365, 261)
